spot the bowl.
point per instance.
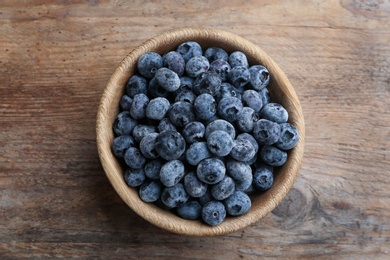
(281, 91)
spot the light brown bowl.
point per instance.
(281, 91)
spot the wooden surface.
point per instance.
(57, 56)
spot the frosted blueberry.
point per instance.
(243, 150)
(134, 177)
(134, 158)
(229, 108)
(220, 143)
(124, 123)
(186, 95)
(125, 102)
(221, 67)
(205, 106)
(155, 90)
(190, 210)
(167, 79)
(147, 146)
(289, 137)
(197, 65)
(138, 106)
(149, 63)
(252, 99)
(136, 85)
(216, 53)
(193, 186)
(246, 120)
(238, 58)
(273, 156)
(175, 62)
(193, 132)
(211, 170)
(213, 213)
(237, 204)
(181, 113)
(174, 196)
(222, 125)
(157, 108)
(121, 144)
(266, 132)
(227, 90)
(189, 49)
(141, 130)
(171, 173)
(166, 124)
(150, 191)
(223, 189)
(197, 152)
(259, 77)
(170, 145)
(274, 112)
(239, 76)
(152, 168)
(207, 82)
(262, 178)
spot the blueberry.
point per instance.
(220, 143)
(289, 137)
(211, 170)
(125, 102)
(150, 191)
(190, 210)
(243, 185)
(181, 113)
(266, 132)
(246, 120)
(238, 58)
(229, 108)
(171, 173)
(205, 198)
(221, 67)
(205, 106)
(134, 177)
(239, 76)
(193, 132)
(147, 146)
(223, 189)
(157, 108)
(264, 95)
(263, 178)
(216, 53)
(237, 204)
(228, 90)
(243, 150)
(170, 145)
(124, 123)
(239, 171)
(175, 62)
(136, 85)
(155, 90)
(274, 112)
(213, 213)
(193, 186)
(141, 130)
(138, 106)
(186, 82)
(252, 99)
(273, 156)
(134, 158)
(149, 63)
(166, 124)
(185, 95)
(152, 168)
(259, 77)
(197, 152)
(189, 49)
(196, 66)
(168, 79)
(222, 125)
(121, 144)
(250, 138)
(207, 82)
(174, 196)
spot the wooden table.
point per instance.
(55, 59)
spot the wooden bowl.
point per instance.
(281, 91)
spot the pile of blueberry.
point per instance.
(197, 132)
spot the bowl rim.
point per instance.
(109, 106)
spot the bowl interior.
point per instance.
(281, 91)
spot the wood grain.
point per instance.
(57, 56)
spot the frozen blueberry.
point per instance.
(124, 123)
(171, 173)
(213, 213)
(141, 130)
(207, 82)
(157, 108)
(250, 138)
(239, 76)
(266, 132)
(221, 67)
(193, 132)
(152, 168)
(222, 125)
(155, 90)
(170, 145)
(246, 120)
(205, 198)
(147, 146)
(197, 65)
(134, 177)
(136, 85)
(252, 99)
(175, 62)
(197, 152)
(259, 77)
(263, 178)
(273, 156)
(134, 158)
(238, 58)
(138, 106)
(121, 144)
(229, 108)
(239, 171)
(205, 106)
(243, 150)
(220, 143)
(274, 112)
(174, 196)
(237, 204)
(150, 191)
(193, 186)
(264, 95)
(243, 185)
(223, 189)
(190, 210)
(166, 124)
(289, 137)
(186, 95)
(211, 170)
(186, 82)
(149, 63)
(168, 79)
(227, 90)
(125, 102)
(181, 113)
(189, 49)
(216, 53)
